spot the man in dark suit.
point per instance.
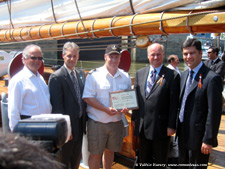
(66, 88)
(200, 108)
(155, 121)
(214, 62)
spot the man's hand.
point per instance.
(125, 111)
(170, 131)
(111, 111)
(206, 148)
(71, 137)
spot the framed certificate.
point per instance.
(124, 98)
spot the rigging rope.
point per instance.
(123, 26)
(81, 18)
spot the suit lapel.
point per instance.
(143, 80)
(157, 84)
(217, 61)
(80, 79)
(69, 82)
(184, 77)
(196, 80)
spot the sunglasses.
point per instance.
(36, 58)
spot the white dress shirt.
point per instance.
(98, 85)
(173, 68)
(28, 95)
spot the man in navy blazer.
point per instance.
(200, 114)
(66, 99)
(155, 120)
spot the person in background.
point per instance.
(173, 61)
(105, 129)
(66, 87)
(20, 153)
(155, 121)
(28, 93)
(214, 62)
(200, 108)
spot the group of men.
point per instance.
(189, 105)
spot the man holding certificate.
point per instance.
(155, 121)
(105, 128)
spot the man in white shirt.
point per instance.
(173, 61)
(105, 127)
(28, 93)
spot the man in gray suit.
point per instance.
(155, 121)
(66, 87)
(200, 108)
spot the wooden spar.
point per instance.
(139, 24)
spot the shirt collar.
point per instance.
(68, 70)
(196, 69)
(29, 72)
(215, 60)
(157, 69)
(106, 72)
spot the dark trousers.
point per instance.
(193, 159)
(153, 153)
(70, 153)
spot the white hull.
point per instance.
(3, 69)
(5, 59)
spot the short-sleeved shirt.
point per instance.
(98, 85)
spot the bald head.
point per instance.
(155, 54)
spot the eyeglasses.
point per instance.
(36, 58)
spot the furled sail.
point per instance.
(21, 13)
(23, 20)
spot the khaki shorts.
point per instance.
(104, 136)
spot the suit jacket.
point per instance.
(159, 111)
(203, 109)
(218, 67)
(63, 97)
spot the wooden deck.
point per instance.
(217, 158)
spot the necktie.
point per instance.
(150, 82)
(188, 85)
(212, 63)
(77, 91)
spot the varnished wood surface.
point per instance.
(217, 158)
(143, 24)
(3, 87)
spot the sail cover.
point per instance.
(23, 13)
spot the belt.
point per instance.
(24, 117)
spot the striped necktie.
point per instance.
(188, 85)
(150, 82)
